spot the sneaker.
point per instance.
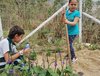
(74, 60)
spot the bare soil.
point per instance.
(88, 63)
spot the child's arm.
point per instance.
(9, 58)
(63, 16)
(15, 56)
(72, 23)
(63, 19)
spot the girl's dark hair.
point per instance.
(71, 0)
(15, 30)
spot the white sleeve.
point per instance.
(5, 46)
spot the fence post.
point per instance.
(80, 22)
(1, 31)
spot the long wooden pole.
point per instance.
(68, 47)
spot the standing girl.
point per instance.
(71, 18)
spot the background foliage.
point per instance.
(30, 13)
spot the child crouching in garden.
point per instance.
(8, 51)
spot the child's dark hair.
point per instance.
(15, 30)
(70, 1)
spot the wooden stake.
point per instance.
(68, 47)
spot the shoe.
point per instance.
(74, 60)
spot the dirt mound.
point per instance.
(88, 63)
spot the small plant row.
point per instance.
(31, 68)
(11, 70)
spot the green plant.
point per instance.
(48, 52)
(33, 55)
(12, 70)
(93, 47)
(58, 49)
(69, 71)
